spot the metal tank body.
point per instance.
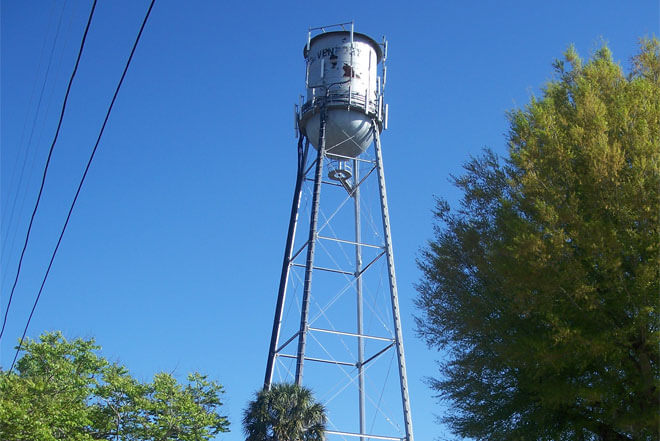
(342, 74)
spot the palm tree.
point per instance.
(285, 412)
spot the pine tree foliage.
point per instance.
(63, 390)
(543, 287)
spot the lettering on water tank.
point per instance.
(333, 51)
(327, 52)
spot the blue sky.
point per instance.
(172, 257)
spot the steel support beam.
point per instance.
(316, 198)
(288, 249)
(319, 360)
(407, 418)
(370, 436)
(350, 334)
(358, 289)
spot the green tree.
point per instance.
(543, 287)
(285, 412)
(63, 390)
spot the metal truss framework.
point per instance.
(302, 257)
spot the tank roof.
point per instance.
(356, 35)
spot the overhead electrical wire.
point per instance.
(82, 180)
(21, 144)
(43, 177)
(11, 232)
(28, 147)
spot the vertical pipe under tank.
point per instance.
(358, 289)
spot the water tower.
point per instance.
(337, 327)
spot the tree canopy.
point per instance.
(543, 286)
(64, 390)
(285, 412)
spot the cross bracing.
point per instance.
(341, 302)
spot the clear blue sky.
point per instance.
(172, 258)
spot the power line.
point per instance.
(43, 177)
(26, 150)
(82, 180)
(30, 154)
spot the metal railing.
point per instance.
(339, 99)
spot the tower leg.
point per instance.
(393, 288)
(286, 264)
(311, 246)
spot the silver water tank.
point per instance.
(342, 73)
